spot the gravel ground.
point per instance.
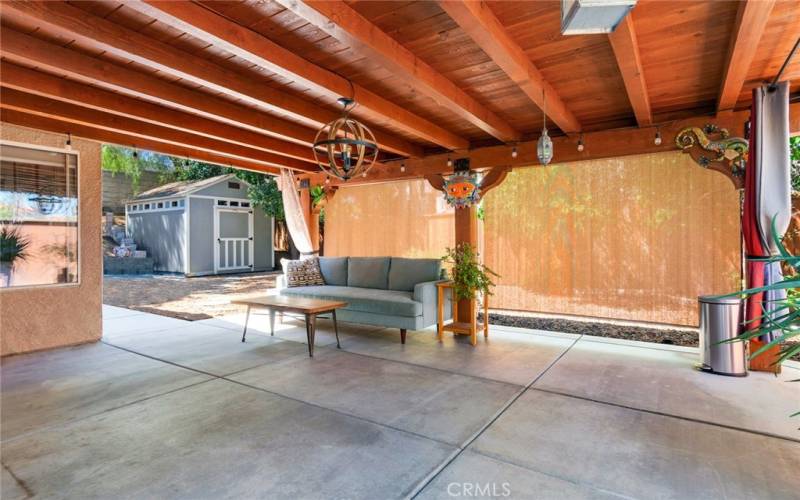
(684, 337)
(184, 298)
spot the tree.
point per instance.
(131, 163)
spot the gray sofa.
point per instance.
(383, 291)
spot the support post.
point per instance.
(466, 221)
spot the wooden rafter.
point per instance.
(20, 78)
(751, 19)
(72, 22)
(626, 51)
(478, 21)
(247, 44)
(342, 22)
(17, 46)
(106, 136)
(72, 113)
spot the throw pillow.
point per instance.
(302, 272)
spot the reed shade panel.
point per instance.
(634, 238)
(400, 219)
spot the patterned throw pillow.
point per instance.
(303, 272)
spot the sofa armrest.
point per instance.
(427, 294)
(280, 282)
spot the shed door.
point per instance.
(233, 230)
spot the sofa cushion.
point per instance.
(368, 272)
(368, 300)
(302, 272)
(405, 273)
(334, 270)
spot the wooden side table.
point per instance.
(460, 328)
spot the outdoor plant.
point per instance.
(469, 275)
(784, 321)
(13, 249)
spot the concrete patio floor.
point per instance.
(164, 408)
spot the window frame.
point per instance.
(78, 194)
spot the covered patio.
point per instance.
(612, 175)
(165, 407)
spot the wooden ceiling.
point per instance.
(247, 83)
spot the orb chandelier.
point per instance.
(345, 148)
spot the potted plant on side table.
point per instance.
(469, 278)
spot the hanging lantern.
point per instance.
(345, 148)
(544, 148)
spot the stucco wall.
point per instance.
(45, 317)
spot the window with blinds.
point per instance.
(38, 216)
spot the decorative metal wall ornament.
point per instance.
(713, 148)
(544, 147)
(345, 148)
(462, 189)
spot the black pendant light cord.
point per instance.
(774, 85)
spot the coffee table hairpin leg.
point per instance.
(246, 319)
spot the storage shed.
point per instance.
(201, 227)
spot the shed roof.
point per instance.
(183, 188)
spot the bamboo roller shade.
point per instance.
(635, 238)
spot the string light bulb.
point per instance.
(402, 167)
(581, 146)
(327, 179)
(449, 161)
(657, 140)
(68, 144)
(514, 152)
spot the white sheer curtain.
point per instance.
(295, 216)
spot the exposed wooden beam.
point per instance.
(105, 136)
(480, 23)
(35, 82)
(602, 144)
(342, 22)
(72, 22)
(202, 23)
(626, 51)
(72, 113)
(751, 19)
(17, 46)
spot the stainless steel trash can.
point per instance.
(721, 319)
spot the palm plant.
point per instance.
(13, 248)
(783, 321)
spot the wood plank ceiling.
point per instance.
(247, 83)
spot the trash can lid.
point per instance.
(716, 299)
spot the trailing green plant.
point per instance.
(469, 274)
(13, 245)
(318, 195)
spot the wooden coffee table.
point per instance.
(310, 308)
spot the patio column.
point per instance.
(466, 222)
